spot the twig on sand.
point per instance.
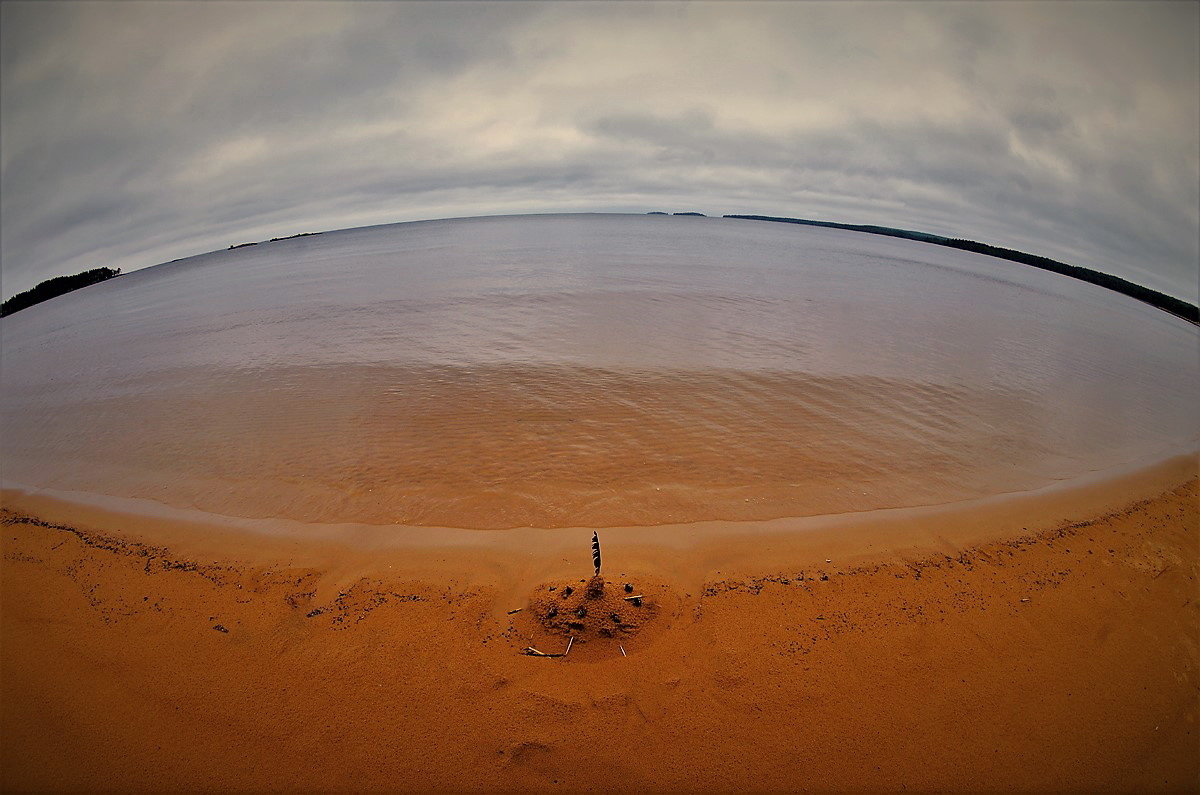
(518, 610)
(532, 652)
(631, 598)
(623, 654)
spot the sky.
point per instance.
(135, 133)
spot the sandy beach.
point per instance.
(1050, 643)
(659, 397)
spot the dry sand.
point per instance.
(1053, 645)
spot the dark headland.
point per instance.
(57, 286)
(1175, 306)
(60, 285)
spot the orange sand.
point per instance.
(1063, 655)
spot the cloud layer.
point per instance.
(133, 133)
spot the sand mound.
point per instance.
(600, 614)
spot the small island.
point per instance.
(52, 288)
(273, 240)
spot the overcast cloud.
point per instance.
(134, 133)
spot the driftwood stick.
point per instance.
(639, 596)
(623, 654)
(532, 652)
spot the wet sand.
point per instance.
(1054, 646)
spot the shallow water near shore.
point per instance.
(554, 371)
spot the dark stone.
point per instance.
(628, 587)
(581, 611)
(616, 618)
(636, 602)
(553, 612)
(568, 591)
(575, 625)
(220, 628)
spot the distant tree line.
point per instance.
(1175, 306)
(274, 240)
(54, 287)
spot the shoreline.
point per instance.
(701, 548)
(1057, 649)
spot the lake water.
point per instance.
(587, 370)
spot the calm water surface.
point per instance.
(586, 370)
